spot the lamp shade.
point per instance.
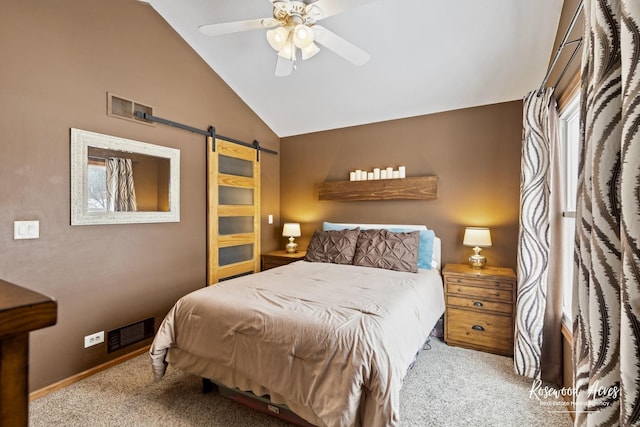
(477, 236)
(277, 37)
(302, 36)
(291, 229)
(309, 51)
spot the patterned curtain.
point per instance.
(606, 328)
(537, 345)
(121, 193)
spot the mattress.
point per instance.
(331, 342)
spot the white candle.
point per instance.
(352, 176)
(383, 174)
(363, 176)
(389, 173)
(402, 171)
(376, 173)
(396, 174)
(358, 174)
(369, 176)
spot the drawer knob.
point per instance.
(459, 280)
(497, 283)
(477, 303)
(477, 328)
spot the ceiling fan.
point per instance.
(293, 26)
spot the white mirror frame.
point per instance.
(81, 140)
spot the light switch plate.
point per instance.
(26, 230)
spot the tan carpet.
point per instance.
(448, 386)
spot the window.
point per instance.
(96, 186)
(569, 142)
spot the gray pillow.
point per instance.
(386, 249)
(335, 246)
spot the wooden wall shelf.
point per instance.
(410, 188)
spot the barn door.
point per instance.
(233, 202)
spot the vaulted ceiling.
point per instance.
(427, 56)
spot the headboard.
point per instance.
(436, 261)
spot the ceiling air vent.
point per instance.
(124, 108)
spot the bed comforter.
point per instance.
(332, 342)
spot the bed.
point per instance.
(330, 337)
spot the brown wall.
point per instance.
(475, 153)
(59, 59)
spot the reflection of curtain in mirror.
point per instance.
(121, 194)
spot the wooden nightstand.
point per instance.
(280, 257)
(480, 307)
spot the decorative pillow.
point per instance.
(425, 249)
(335, 246)
(382, 248)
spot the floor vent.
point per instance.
(123, 108)
(130, 334)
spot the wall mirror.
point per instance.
(122, 181)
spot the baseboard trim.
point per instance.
(82, 375)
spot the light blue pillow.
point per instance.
(425, 248)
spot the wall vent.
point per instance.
(124, 108)
(130, 334)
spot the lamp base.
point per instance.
(292, 247)
(476, 260)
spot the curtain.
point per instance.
(121, 193)
(606, 327)
(537, 344)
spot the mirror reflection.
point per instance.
(126, 182)
(116, 180)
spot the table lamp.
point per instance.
(478, 237)
(291, 230)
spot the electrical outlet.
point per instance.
(93, 339)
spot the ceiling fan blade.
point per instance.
(284, 67)
(340, 46)
(238, 26)
(334, 7)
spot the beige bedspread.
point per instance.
(332, 342)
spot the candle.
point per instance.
(402, 172)
(389, 173)
(363, 176)
(383, 174)
(395, 174)
(358, 174)
(376, 173)
(352, 176)
(369, 176)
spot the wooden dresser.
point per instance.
(280, 257)
(480, 308)
(21, 311)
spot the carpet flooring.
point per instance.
(448, 386)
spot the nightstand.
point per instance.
(280, 257)
(480, 308)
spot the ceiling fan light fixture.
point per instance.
(288, 51)
(309, 51)
(277, 37)
(302, 36)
